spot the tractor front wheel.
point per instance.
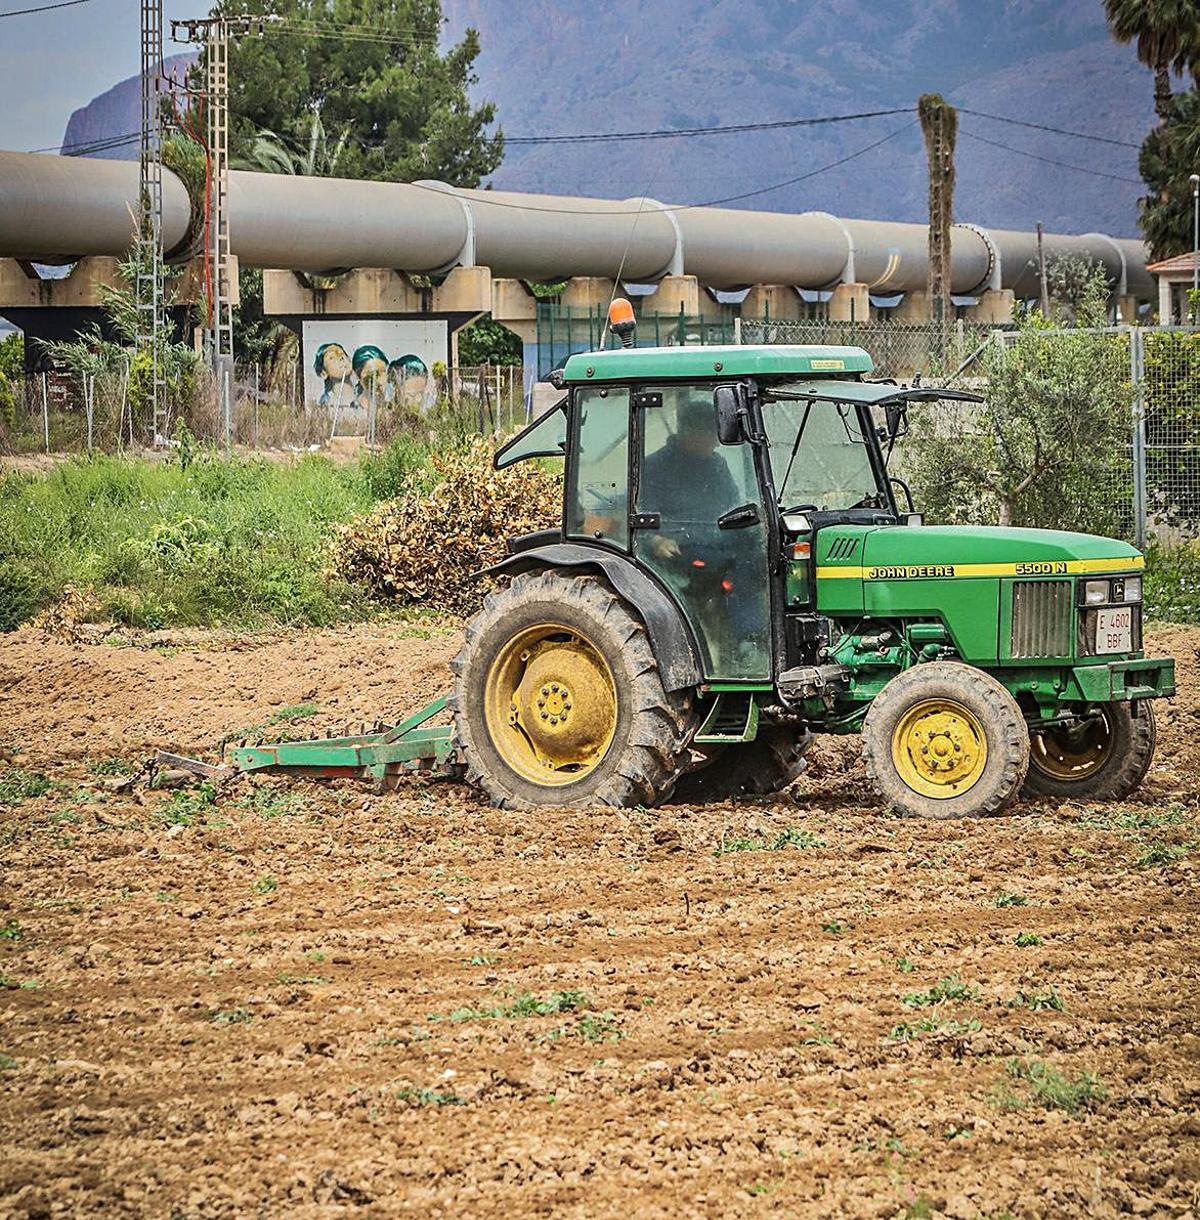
(1103, 757)
(558, 700)
(946, 740)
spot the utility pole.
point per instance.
(214, 32)
(1194, 179)
(148, 281)
(1043, 282)
(939, 125)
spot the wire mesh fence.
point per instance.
(897, 349)
(56, 412)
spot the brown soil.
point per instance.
(304, 1001)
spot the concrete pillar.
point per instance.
(913, 310)
(1126, 309)
(587, 294)
(1165, 311)
(995, 305)
(672, 292)
(775, 301)
(850, 303)
(514, 306)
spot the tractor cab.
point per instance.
(713, 469)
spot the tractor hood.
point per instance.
(980, 550)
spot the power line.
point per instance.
(80, 146)
(1082, 169)
(43, 8)
(1058, 131)
(679, 132)
(481, 196)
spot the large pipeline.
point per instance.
(59, 208)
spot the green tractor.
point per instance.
(732, 573)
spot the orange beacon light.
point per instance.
(621, 321)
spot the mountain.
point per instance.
(561, 66)
(116, 116)
(557, 66)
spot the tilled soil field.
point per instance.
(285, 999)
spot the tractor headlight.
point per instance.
(1095, 592)
(1133, 589)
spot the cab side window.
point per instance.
(598, 499)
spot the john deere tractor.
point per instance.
(732, 573)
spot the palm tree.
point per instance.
(271, 153)
(1167, 34)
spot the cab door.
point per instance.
(699, 524)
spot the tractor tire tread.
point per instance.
(1122, 775)
(661, 723)
(1008, 740)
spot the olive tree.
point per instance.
(1049, 447)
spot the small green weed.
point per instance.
(112, 766)
(1027, 940)
(1038, 1000)
(271, 802)
(1010, 900)
(231, 1016)
(599, 1027)
(794, 836)
(165, 896)
(429, 1097)
(952, 988)
(17, 785)
(1157, 854)
(1047, 1086)
(11, 930)
(526, 1005)
(7, 1063)
(1132, 820)
(480, 959)
(905, 965)
(8, 983)
(187, 806)
(285, 715)
(266, 884)
(301, 980)
(834, 927)
(930, 1025)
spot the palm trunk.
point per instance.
(1162, 91)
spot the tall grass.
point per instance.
(200, 542)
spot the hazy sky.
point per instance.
(94, 45)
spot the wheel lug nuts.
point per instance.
(545, 715)
(545, 690)
(554, 687)
(553, 719)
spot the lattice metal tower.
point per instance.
(151, 308)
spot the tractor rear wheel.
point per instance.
(558, 700)
(773, 761)
(1104, 757)
(946, 740)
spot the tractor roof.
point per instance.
(742, 360)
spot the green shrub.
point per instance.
(1171, 589)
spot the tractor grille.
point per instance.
(1043, 618)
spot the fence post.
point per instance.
(1137, 373)
(89, 390)
(256, 404)
(228, 403)
(46, 409)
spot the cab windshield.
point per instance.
(819, 458)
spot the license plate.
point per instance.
(1114, 630)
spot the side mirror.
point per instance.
(728, 403)
(896, 414)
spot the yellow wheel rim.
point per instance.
(550, 705)
(939, 748)
(1071, 753)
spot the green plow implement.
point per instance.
(411, 745)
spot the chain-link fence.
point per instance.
(898, 349)
(63, 413)
(1166, 372)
